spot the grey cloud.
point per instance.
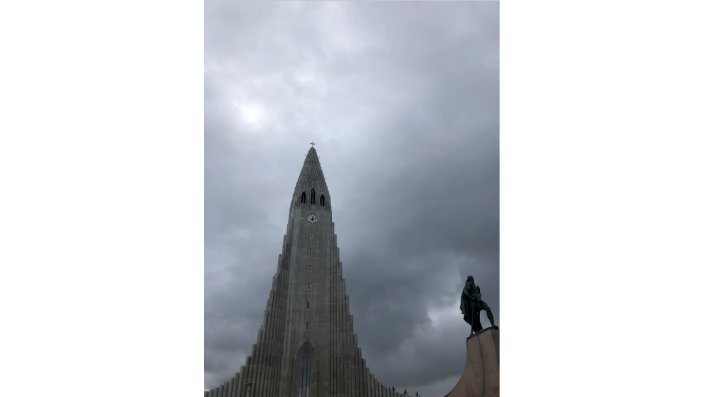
(403, 102)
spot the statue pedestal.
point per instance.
(481, 373)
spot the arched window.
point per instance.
(303, 197)
(323, 200)
(313, 196)
(305, 372)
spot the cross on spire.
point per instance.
(312, 143)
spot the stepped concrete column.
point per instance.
(480, 375)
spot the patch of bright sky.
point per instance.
(443, 315)
(253, 115)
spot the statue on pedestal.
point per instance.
(470, 305)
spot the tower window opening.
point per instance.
(308, 306)
(310, 268)
(303, 197)
(311, 236)
(313, 196)
(323, 200)
(306, 325)
(305, 373)
(308, 287)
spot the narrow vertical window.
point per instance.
(308, 287)
(310, 268)
(309, 251)
(311, 236)
(303, 197)
(313, 196)
(323, 200)
(306, 325)
(305, 373)
(308, 306)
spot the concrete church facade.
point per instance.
(306, 346)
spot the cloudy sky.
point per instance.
(401, 100)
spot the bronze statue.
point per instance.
(470, 305)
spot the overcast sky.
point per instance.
(402, 100)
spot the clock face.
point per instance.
(312, 218)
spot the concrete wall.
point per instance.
(480, 375)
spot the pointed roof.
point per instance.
(311, 172)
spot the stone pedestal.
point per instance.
(481, 373)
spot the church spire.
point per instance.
(306, 345)
(311, 181)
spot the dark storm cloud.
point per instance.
(402, 100)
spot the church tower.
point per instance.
(306, 346)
